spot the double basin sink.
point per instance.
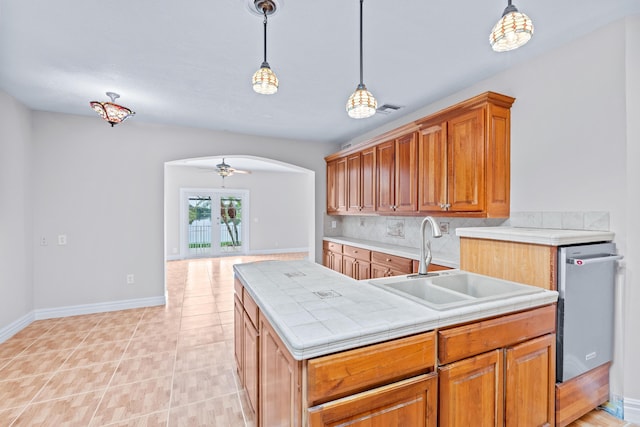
(452, 288)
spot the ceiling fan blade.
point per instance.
(240, 171)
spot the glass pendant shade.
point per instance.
(265, 81)
(110, 111)
(361, 103)
(512, 31)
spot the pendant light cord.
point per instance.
(361, 76)
(264, 10)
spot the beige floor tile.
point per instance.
(200, 321)
(160, 327)
(161, 313)
(7, 416)
(199, 336)
(220, 411)
(122, 317)
(197, 309)
(226, 316)
(217, 354)
(56, 342)
(36, 329)
(20, 391)
(133, 400)
(143, 368)
(194, 386)
(91, 354)
(72, 411)
(71, 324)
(103, 334)
(78, 380)
(156, 419)
(249, 415)
(197, 300)
(15, 346)
(153, 343)
(34, 364)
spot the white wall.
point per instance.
(104, 188)
(16, 205)
(569, 150)
(278, 218)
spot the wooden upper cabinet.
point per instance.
(432, 168)
(397, 174)
(360, 183)
(337, 186)
(453, 163)
(466, 162)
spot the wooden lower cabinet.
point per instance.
(406, 403)
(250, 362)
(471, 391)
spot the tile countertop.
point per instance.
(540, 236)
(317, 311)
(403, 251)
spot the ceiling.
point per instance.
(239, 162)
(190, 63)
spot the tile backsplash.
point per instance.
(405, 231)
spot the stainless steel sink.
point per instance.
(453, 288)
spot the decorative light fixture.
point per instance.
(361, 103)
(513, 30)
(264, 80)
(110, 111)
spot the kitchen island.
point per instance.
(315, 347)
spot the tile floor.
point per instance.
(164, 366)
(170, 365)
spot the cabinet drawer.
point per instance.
(394, 262)
(237, 287)
(468, 340)
(251, 308)
(357, 253)
(333, 247)
(342, 374)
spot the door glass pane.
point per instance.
(230, 224)
(199, 225)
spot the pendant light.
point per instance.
(264, 80)
(361, 103)
(110, 111)
(513, 30)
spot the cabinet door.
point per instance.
(466, 162)
(378, 271)
(238, 335)
(337, 186)
(385, 176)
(250, 362)
(471, 392)
(406, 159)
(406, 403)
(530, 383)
(368, 180)
(280, 400)
(362, 270)
(432, 169)
(348, 266)
(354, 183)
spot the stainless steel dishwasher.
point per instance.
(586, 279)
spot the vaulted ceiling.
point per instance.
(190, 63)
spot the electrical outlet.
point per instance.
(43, 241)
(361, 222)
(444, 227)
(334, 224)
(62, 239)
(130, 279)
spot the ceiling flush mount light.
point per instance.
(361, 103)
(513, 30)
(264, 80)
(110, 111)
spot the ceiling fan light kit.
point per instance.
(361, 104)
(513, 30)
(110, 111)
(264, 80)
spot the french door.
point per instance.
(212, 222)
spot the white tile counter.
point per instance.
(317, 311)
(403, 251)
(540, 236)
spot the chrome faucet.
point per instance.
(425, 246)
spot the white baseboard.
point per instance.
(632, 410)
(75, 310)
(177, 257)
(14, 327)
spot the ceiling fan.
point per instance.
(224, 170)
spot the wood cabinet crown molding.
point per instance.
(494, 98)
